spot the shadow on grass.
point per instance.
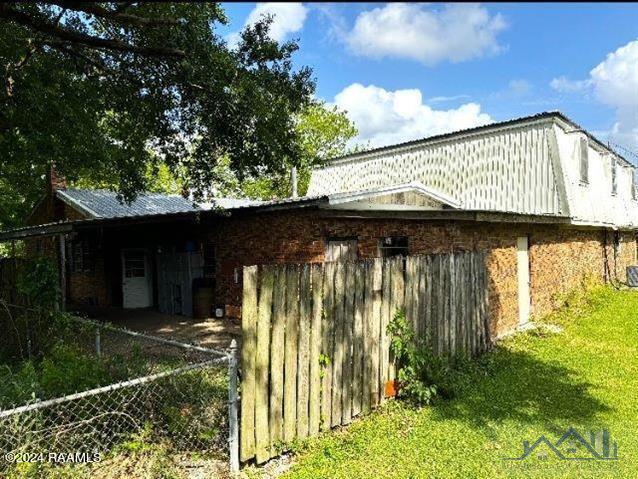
(514, 386)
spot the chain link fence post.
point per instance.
(233, 426)
(98, 342)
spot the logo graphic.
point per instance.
(572, 446)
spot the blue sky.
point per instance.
(408, 71)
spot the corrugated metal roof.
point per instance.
(527, 166)
(506, 170)
(106, 204)
(544, 115)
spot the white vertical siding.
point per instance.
(508, 170)
(526, 168)
(593, 202)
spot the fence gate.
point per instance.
(315, 349)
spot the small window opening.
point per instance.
(341, 249)
(393, 246)
(584, 161)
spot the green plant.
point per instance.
(525, 387)
(68, 369)
(38, 282)
(422, 375)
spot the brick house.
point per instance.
(550, 204)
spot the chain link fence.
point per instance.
(87, 387)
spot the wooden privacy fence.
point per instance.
(316, 352)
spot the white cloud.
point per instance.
(613, 82)
(455, 32)
(387, 117)
(519, 87)
(445, 99)
(287, 18)
(565, 85)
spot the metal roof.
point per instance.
(527, 166)
(106, 204)
(555, 114)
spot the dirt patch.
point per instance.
(212, 333)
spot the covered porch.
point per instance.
(160, 264)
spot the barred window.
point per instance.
(393, 246)
(614, 176)
(81, 256)
(208, 250)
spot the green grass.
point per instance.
(531, 384)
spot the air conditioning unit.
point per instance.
(632, 276)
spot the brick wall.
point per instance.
(559, 257)
(82, 288)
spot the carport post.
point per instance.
(98, 342)
(62, 271)
(233, 426)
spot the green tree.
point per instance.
(109, 89)
(323, 132)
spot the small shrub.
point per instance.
(68, 370)
(20, 387)
(38, 282)
(422, 375)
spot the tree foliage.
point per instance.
(323, 132)
(111, 89)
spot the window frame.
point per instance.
(382, 248)
(342, 239)
(583, 159)
(81, 256)
(614, 176)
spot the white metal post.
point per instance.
(233, 426)
(98, 342)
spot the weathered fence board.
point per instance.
(357, 342)
(262, 431)
(339, 344)
(277, 358)
(249, 334)
(326, 346)
(290, 352)
(316, 350)
(314, 412)
(303, 379)
(348, 326)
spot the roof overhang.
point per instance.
(413, 196)
(66, 198)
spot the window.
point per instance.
(208, 251)
(341, 249)
(134, 264)
(584, 161)
(614, 176)
(633, 185)
(81, 256)
(393, 246)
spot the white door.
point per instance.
(136, 280)
(522, 257)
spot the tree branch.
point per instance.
(99, 11)
(42, 26)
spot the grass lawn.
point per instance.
(531, 384)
